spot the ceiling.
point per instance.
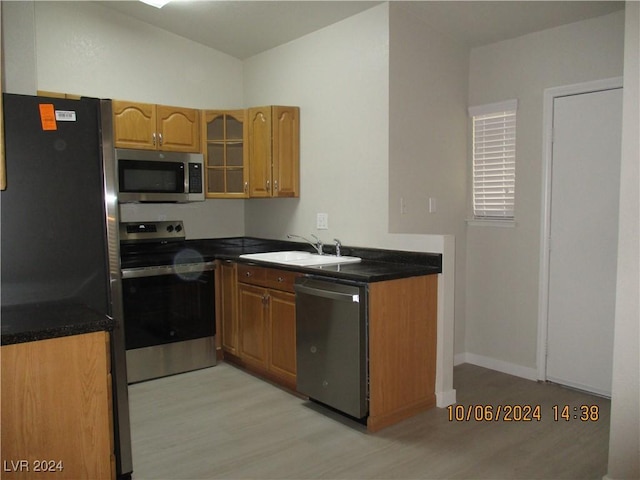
(245, 28)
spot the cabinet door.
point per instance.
(282, 335)
(252, 323)
(134, 125)
(56, 399)
(178, 129)
(229, 307)
(259, 140)
(286, 151)
(224, 133)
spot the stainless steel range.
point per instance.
(169, 301)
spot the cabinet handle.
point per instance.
(160, 137)
(268, 186)
(248, 274)
(280, 279)
(246, 187)
(153, 137)
(275, 185)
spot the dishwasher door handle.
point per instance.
(343, 297)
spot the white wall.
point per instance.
(503, 263)
(19, 48)
(624, 438)
(428, 138)
(84, 48)
(91, 50)
(339, 76)
(428, 127)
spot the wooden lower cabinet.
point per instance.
(227, 303)
(282, 335)
(402, 321)
(402, 349)
(252, 320)
(266, 323)
(57, 409)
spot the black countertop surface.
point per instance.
(377, 264)
(27, 323)
(40, 321)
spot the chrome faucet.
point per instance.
(317, 244)
(338, 246)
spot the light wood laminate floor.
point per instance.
(223, 423)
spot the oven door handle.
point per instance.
(156, 271)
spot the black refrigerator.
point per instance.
(59, 222)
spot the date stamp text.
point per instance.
(521, 413)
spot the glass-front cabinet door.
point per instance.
(225, 153)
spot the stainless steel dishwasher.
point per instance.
(331, 344)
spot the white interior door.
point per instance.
(585, 184)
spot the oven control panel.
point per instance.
(151, 231)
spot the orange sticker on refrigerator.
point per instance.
(48, 116)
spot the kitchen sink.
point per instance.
(300, 259)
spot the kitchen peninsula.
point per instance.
(256, 318)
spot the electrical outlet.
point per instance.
(322, 221)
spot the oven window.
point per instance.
(168, 308)
(151, 177)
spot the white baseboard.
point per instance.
(444, 399)
(459, 359)
(498, 365)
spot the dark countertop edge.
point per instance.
(61, 319)
(30, 323)
(347, 271)
(377, 264)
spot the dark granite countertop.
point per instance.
(376, 265)
(27, 323)
(40, 321)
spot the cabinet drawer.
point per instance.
(267, 277)
(251, 274)
(281, 279)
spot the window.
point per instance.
(494, 160)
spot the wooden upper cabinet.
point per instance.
(227, 171)
(134, 125)
(274, 151)
(178, 129)
(156, 127)
(286, 151)
(259, 145)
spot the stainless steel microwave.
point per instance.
(159, 177)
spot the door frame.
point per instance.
(550, 94)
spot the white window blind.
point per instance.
(494, 160)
